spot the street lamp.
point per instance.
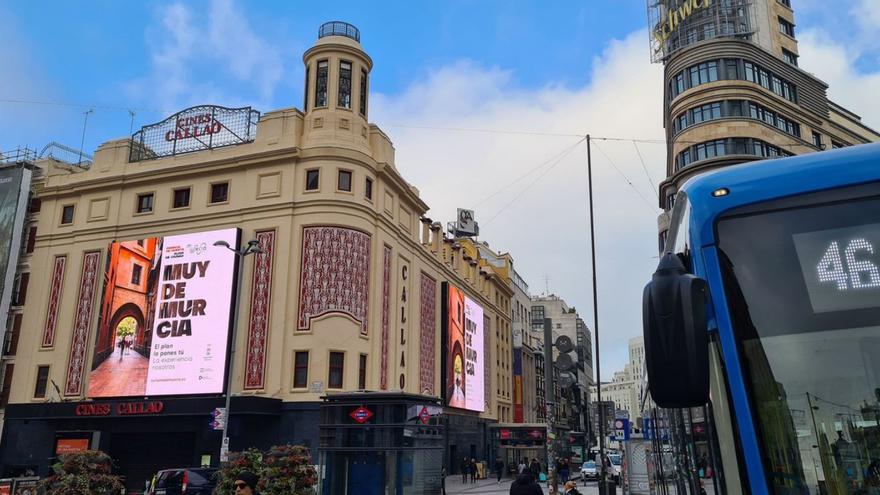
(253, 246)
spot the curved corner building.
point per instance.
(733, 91)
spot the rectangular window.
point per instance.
(67, 214)
(787, 3)
(731, 68)
(31, 240)
(362, 372)
(750, 72)
(136, 271)
(312, 180)
(765, 78)
(786, 27)
(337, 367)
(713, 71)
(42, 382)
(368, 188)
(301, 369)
(306, 92)
(363, 95)
(790, 57)
(344, 98)
(7, 383)
(343, 183)
(679, 83)
(20, 288)
(181, 198)
(817, 140)
(321, 84)
(835, 145)
(220, 192)
(145, 203)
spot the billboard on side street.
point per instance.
(464, 350)
(15, 186)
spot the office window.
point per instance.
(220, 192)
(817, 140)
(363, 103)
(301, 369)
(344, 98)
(321, 84)
(67, 214)
(362, 372)
(344, 181)
(786, 27)
(312, 180)
(136, 272)
(790, 57)
(337, 366)
(145, 203)
(368, 189)
(181, 198)
(835, 145)
(787, 3)
(42, 382)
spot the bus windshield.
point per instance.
(803, 287)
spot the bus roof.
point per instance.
(766, 180)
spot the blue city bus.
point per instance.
(762, 330)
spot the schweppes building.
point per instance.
(733, 90)
(280, 256)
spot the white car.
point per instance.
(589, 471)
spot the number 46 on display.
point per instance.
(862, 274)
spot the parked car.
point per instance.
(183, 481)
(615, 466)
(589, 471)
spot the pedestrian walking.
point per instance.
(465, 468)
(522, 466)
(121, 344)
(535, 469)
(525, 484)
(499, 468)
(246, 483)
(564, 470)
(473, 470)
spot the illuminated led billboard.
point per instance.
(465, 387)
(165, 316)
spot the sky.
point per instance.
(486, 103)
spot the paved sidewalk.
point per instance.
(489, 486)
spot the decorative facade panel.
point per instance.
(76, 364)
(258, 322)
(426, 335)
(487, 359)
(335, 276)
(54, 299)
(386, 310)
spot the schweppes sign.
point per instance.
(675, 16)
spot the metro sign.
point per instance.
(424, 416)
(361, 415)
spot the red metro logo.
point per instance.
(361, 415)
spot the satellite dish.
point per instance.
(564, 344)
(564, 362)
(566, 380)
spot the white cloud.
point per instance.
(546, 228)
(184, 47)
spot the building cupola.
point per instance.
(336, 96)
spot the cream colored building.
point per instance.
(319, 189)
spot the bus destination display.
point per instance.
(841, 267)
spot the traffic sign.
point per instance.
(621, 429)
(219, 415)
(361, 414)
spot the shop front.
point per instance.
(141, 436)
(519, 442)
(381, 443)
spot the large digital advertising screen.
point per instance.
(15, 185)
(165, 316)
(465, 387)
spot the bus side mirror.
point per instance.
(676, 336)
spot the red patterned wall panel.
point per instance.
(335, 274)
(54, 299)
(258, 322)
(427, 333)
(76, 364)
(386, 315)
(487, 360)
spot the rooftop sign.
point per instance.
(195, 129)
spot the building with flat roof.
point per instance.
(352, 290)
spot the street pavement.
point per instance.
(489, 486)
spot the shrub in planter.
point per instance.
(288, 471)
(248, 460)
(83, 473)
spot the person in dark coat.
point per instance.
(499, 468)
(465, 468)
(525, 484)
(246, 483)
(473, 470)
(535, 469)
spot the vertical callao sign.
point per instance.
(191, 327)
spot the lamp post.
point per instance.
(251, 247)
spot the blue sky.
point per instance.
(561, 67)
